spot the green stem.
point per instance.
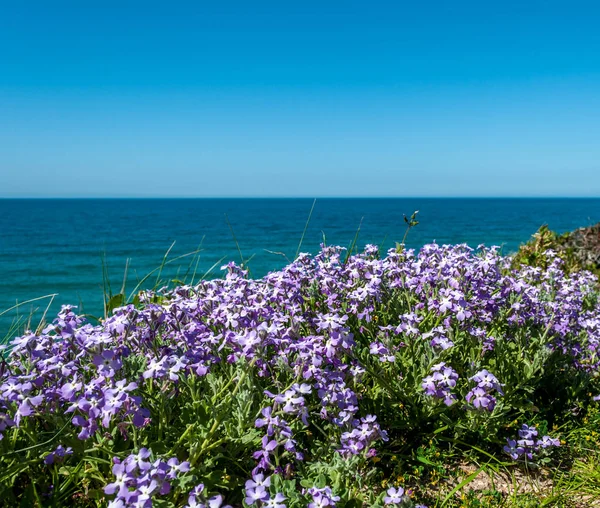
(205, 444)
(39, 444)
(182, 438)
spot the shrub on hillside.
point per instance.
(579, 249)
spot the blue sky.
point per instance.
(299, 99)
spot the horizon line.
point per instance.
(7, 198)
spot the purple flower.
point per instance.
(107, 363)
(322, 497)
(26, 407)
(290, 401)
(58, 455)
(258, 480)
(513, 449)
(481, 396)
(88, 426)
(258, 493)
(446, 377)
(429, 385)
(481, 399)
(271, 422)
(275, 502)
(487, 381)
(395, 496)
(121, 483)
(176, 468)
(155, 369)
(547, 442)
(138, 461)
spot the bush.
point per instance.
(579, 249)
(315, 385)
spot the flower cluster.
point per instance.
(257, 493)
(481, 396)
(364, 432)
(138, 479)
(279, 433)
(528, 445)
(322, 497)
(439, 338)
(440, 383)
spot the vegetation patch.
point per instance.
(444, 377)
(579, 249)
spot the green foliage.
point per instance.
(579, 250)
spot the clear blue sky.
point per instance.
(304, 98)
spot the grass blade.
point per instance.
(465, 482)
(162, 265)
(353, 244)
(149, 274)
(52, 295)
(305, 228)
(237, 244)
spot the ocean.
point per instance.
(58, 245)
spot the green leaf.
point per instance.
(422, 459)
(115, 302)
(321, 481)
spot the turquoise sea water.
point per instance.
(56, 246)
